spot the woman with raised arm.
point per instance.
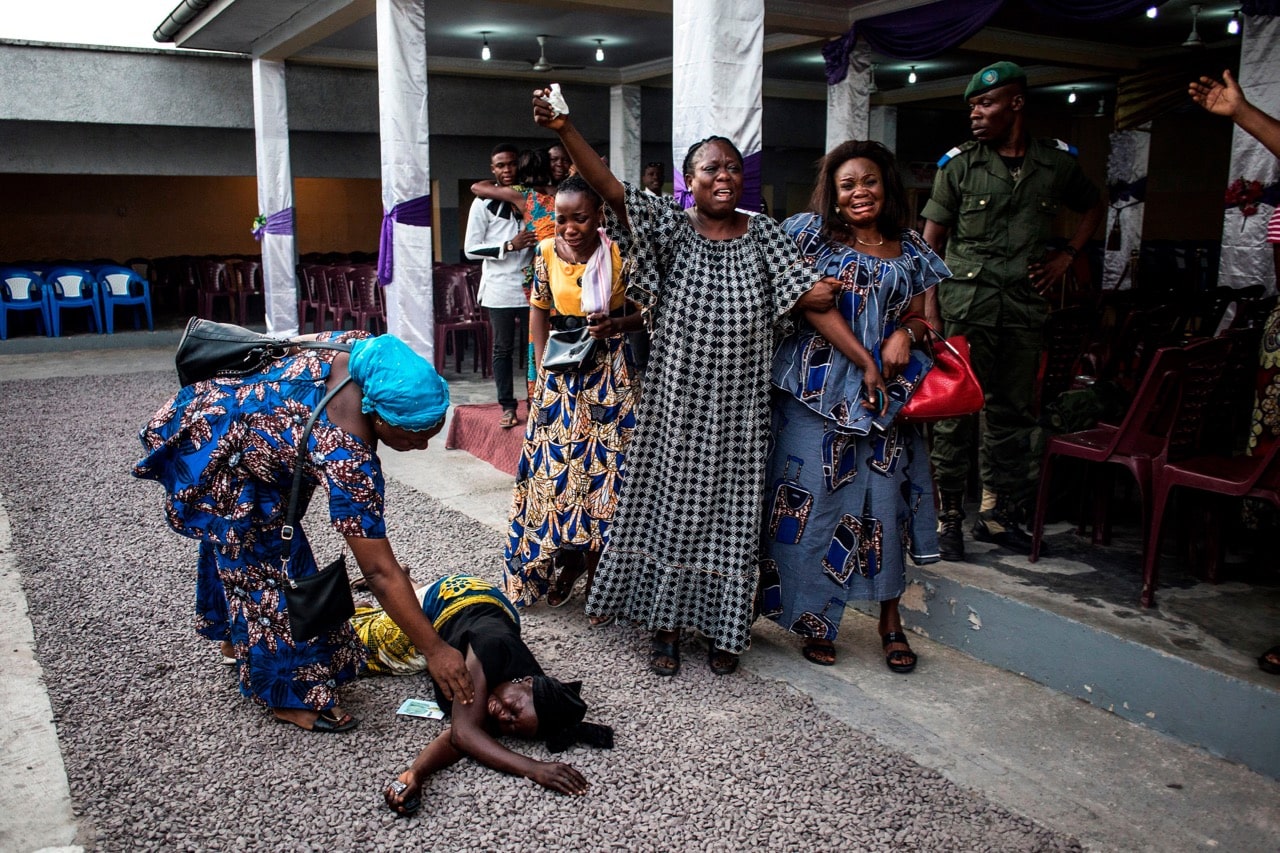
(713, 283)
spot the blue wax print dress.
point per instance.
(224, 449)
(850, 492)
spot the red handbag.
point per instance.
(950, 389)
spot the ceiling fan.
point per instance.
(543, 65)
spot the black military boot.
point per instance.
(999, 524)
(951, 526)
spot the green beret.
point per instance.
(994, 76)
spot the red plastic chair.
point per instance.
(337, 305)
(370, 312)
(246, 283)
(456, 316)
(214, 285)
(311, 294)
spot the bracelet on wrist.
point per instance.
(910, 333)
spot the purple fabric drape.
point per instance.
(927, 31)
(1260, 7)
(1091, 10)
(280, 222)
(415, 211)
(912, 33)
(752, 183)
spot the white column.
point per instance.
(275, 194)
(1247, 257)
(402, 107)
(718, 69)
(1127, 172)
(624, 132)
(882, 126)
(849, 101)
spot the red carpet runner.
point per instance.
(475, 429)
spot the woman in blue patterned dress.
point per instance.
(580, 421)
(225, 451)
(851, 494)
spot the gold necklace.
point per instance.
(865, 243)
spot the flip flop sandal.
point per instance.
(508, 419)
(407, 808)
(819, 653)
(329, 723)
(564, 591)
(660, 650)
(898, 660)
(601, 621)
(1269, 665)
(722, 662)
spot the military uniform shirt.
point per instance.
(998, 226)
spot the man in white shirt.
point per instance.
(651, 178)
(495, 235)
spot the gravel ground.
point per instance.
(163, 753)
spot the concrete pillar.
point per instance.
(882, 126)
(718, 72)
(1126, 179)
(1247, 257)
(849, 101)
(275, 197)
(406, 176)
(624, 132)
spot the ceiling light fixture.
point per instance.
(1071, 98)
(1194, 40)
(1233, 25)
(599, 50)
(1152, 11)
(911, 78)
(485, 53)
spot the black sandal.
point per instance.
(899, 660)
(567, 577)
(670, 651)
(722, 662)
(819, 652)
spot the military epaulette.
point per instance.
(964, 146)
(1063, 146)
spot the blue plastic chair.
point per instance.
(122, 286)
(22, 290)
(72, 287)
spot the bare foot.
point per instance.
(332, 720)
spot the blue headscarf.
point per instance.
(398, 385)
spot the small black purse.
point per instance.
(208, 349)
(568, 349)
(317, 603)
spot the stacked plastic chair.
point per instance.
(22, 292)
(71, 289)
(120, 286)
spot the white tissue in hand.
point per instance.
(556, 100)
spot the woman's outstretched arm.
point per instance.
(587, 161)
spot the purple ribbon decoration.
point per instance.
(280, 222)
(415, 211)
(752, 183)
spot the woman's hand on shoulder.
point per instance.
(559, 777)
(449, 669)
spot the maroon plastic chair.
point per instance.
(213, 286)
(457, 316)
(311, 294)
(337, 295)
(246, 284)
(370, 312)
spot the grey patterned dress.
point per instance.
(683, 551)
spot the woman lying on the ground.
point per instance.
(512, 695)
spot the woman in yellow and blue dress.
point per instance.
(580, 421)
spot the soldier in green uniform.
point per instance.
(993, 206)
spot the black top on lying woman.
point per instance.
(513, 697)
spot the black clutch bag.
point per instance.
(319, 603)
(568, 349)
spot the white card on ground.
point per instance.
(424, 708)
